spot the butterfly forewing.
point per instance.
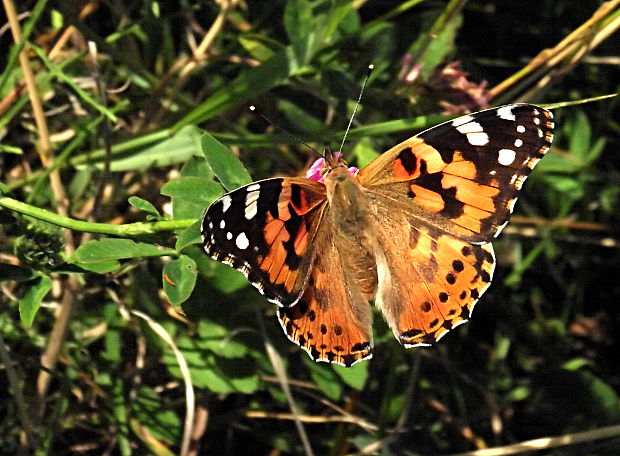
(265, 230)
(463, 176)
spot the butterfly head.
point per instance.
(327, 164)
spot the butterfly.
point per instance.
(412, 230)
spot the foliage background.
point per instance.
(539, 358)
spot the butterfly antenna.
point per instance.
(370, 68)
(288, 133)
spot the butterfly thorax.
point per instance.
(346, 200)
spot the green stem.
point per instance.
(97, 154)
(61, 76)
(35, 14)
(127, 230)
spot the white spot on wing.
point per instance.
(505, 112)
(518, 142)
(520, 128)
(474, 133)
(250, 204)
(419, 344)
(222, 224)
(462, 120)
(511, 205)
(437, 338)
(500, 228)
(242, 241)
(506, 157)
(229, 235)
(253, 187)
(459, 323)
(226, 200)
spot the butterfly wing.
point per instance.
(445, 194)
(463, 176)
(332, 321)
(429, 281)
(265, 230)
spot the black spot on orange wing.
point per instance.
(408, 161)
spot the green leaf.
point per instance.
(556, 163)
(364, 152)
(189, 236)
(325, 378)
(99, 267)
(580, 136)
(298, 116)
(198, 190)
(576, 364)
(116, 249)
(176, 149)
(354, 376)
(153, 412)
(143, 205)
(179, 279)
(191, 196)
(219, 340)
(568, 186)
(228, 168)
(197, 166)
(519, 393)
(217, 374)
(298, 22)
(433, 50)
(30, 302)
(11, 149)
(249, 84)
(341, 16)
(221, 276)
(255, 45)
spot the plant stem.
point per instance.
(127, 230)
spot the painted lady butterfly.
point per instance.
(411, 230)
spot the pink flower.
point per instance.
(315, 172)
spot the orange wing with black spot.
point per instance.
(266, 231)
(332, 321)
(463, 176)
(429, 281)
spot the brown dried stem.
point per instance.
(555, 62)
(46, 155)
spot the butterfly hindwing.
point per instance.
(332, 321)
(265, 230)
(463, 176)
(429, 281)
